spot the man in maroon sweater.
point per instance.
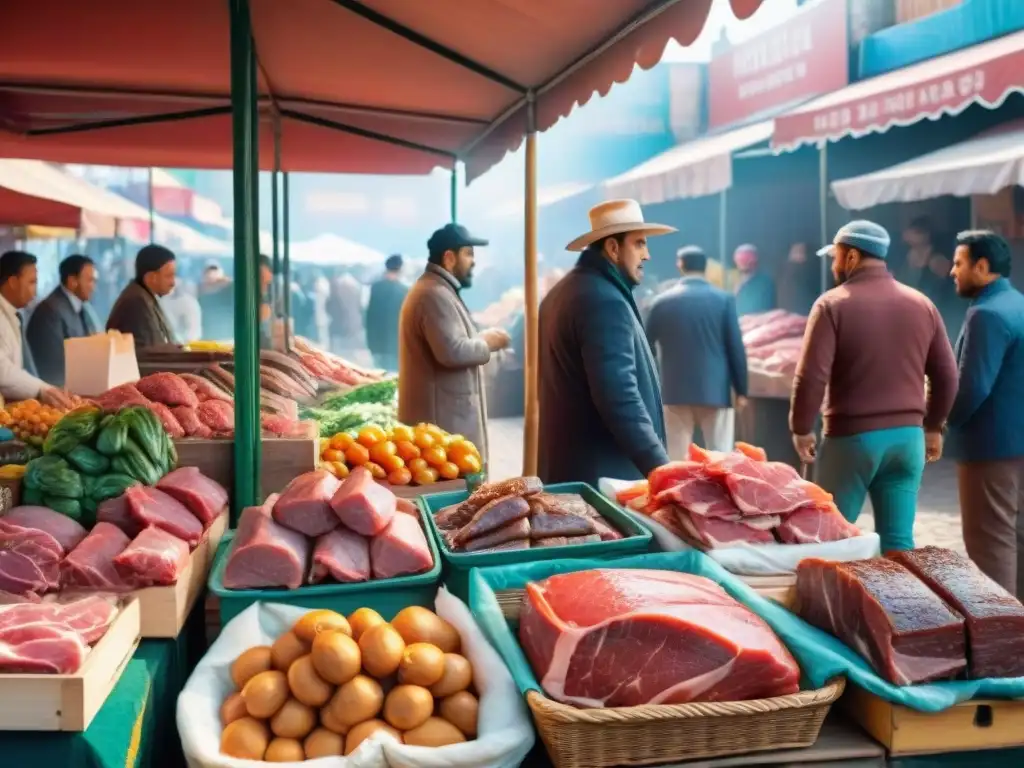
(870, 343)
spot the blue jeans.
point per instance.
(886, 465)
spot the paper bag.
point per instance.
(94, 364)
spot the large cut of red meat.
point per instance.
(205, 498)
(764, 487)
(400, 549)
(619, 638)
(29, 560)
(343, 555)
(362, 504)
(814, 524)
(695, 492)
(154, 558)
(41, 648)
(265, 553)
(886, 614)
(167, 388)
(305, 503)
(90, 565)
(116, 512)
(151, 506)
(66, 531)
(89, 616)
(994, 618)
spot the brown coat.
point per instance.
(138, 312)
(441, 360)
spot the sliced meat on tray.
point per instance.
(342, 555)
(153, 558)
(66, 531)
(116, 512)
(764, 487)
(362, 504)
(89, 616)
(90, 565)
(151, 506)
(401, 549)
(518, 530)
(29, 560)
(167, 388)
(305, 503)
(41, 648)
(492, 516)
(886, 614)
(188, 417)
(618, 638)
(814, 524)
(205, 498)
(994, 618)
(265, 553)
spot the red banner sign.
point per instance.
(807, 56)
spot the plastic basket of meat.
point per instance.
(325, 544)
(519, 521)
(646, 660)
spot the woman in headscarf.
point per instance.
(755, 290)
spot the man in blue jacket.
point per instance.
(695, 330)
(600, 404)
(986, 425)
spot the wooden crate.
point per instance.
(70, 702)
(972, 725)
(166, 609)
(781, 589)
(283, 459)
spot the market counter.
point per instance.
(136, 727)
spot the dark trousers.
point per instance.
(991, 503)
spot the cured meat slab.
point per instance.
(265, 553)
(153, 558)
(343, 555)
(994, 618)
(886, 614)
(305, 503)
(204, 498)
(90, 565)
(362, 504)
(620, 638)
(400, 549)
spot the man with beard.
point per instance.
(600, 403)
(441, 354)
(869, 344)
(986, 425)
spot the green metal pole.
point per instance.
(455, 192)
(287, 266)
(246, 190)
(275, 284)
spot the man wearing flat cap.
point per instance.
(600, 402)
(137, 310)
(870, 343)
(441, 354)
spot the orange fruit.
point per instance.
(417, 465)
(391, 462)
(371, 434)
(400, 476)
(327, 467)
(357, 454)
(340, 469)
(471, 448)
(341, 441)
(379, 450)
(468, 464)
(425, 476)
(376, 470)
(401, 432)
(435, 456)
(457, 450)
(449, 470)
(407, 449)
(424, 439)
(333, 454)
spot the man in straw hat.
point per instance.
(600, 404)
(869, 344)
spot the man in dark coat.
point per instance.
(137, 310)
(382, 313)
(695, 328)
(64, 314)
(600, 404)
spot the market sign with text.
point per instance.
(804, 57)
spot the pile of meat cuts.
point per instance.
(519, 514)
(728, 499)
(917, 616)
(142, 539)
(622, 638)
(52, 637)
(773, 340)
(320, 528)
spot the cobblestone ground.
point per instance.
(938, 511)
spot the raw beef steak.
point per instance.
(362, 504)
(814, 524)
(154, 558)
(886, 614)
(401, 549)
(265, 553)
(205, 498)
(168, 420)
(305, 503)
(66, 531)
(167, 388)
(29, 560)
(90, 565)
(188, 418)
(88, 616)
(994, 618)
(620, 638)
(115, 511)
(764, 487)
(41, 648)
(341, 554)
(151, 506)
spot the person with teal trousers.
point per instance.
(755, 290)
(870, 346)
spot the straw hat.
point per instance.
(613, 218)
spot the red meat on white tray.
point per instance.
(29, 560)
(66, 531)
(343, 555)
(90, 565)
(400, 549)
(362, 504)
(153, 558)
(151, 506)
(265, 553)
(205, 498)
(305, 503)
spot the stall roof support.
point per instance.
(531, 405)
(323, 122)
(128, 122)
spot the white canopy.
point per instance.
(694, 169)
(980, 166)
(332, 250)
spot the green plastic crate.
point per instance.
(636, 538)
(386, 596)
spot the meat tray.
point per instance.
(386, 596)
(166, 609)
(40, 702)
(636, 538)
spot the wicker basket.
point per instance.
(664, 733)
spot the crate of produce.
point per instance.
(47, 701)
(592, 735)
(386, 596)
(634, 538)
